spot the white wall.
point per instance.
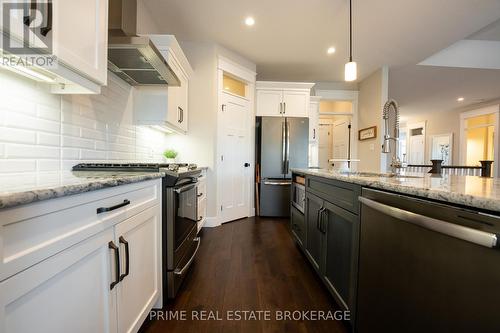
(42, 133)
(373, 93)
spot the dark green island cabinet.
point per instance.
(328, 233)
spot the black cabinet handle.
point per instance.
(200, 195)
(127, 258)
(181, 114)
(27, 19)
(108, 209)
(324, 220)
(318, 218)
(44, 31)
(113, 247)
(314, 133)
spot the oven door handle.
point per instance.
(184, 188)
(181, 271)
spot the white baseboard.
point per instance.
(212, 222)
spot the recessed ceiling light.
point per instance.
(249, 21)
(331, 50)
(460, 99)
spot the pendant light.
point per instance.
(351, 68)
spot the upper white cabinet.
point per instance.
(166, 106)
(283, 99)
(78, 33)
(314, 118)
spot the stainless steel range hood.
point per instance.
(134, 58)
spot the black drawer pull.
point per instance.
(108, 209)
(127, 258)
(115, 248)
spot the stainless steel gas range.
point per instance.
(180, 242)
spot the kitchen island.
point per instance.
(470, 191)
(404, 253)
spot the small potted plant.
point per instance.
(170, 155)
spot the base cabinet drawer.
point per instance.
(298, 226)
(106, 283)
(48, 227)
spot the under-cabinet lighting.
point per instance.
(30, 73)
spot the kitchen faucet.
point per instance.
(386, 148)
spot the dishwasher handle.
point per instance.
(486, 239)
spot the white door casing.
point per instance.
(234, 132)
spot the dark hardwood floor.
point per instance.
(251, 264)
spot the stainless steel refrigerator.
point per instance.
(282, 144)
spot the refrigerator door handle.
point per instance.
(287, 160)
(283, 147)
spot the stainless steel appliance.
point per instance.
(426, 267)
(299, 193)
(134, 58)
(180, 242)
(282, 144)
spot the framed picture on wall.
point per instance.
(367, 133)
(442, 148)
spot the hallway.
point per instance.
(251, 264)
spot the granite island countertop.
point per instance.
(15, 191)
(470, 191)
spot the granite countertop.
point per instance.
(15, 191)
(471, 191)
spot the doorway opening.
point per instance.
(335, 131)
(479, 138)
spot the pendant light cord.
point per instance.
(350, 30)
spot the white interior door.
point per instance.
(340, 139)
(325, 145)
(235, 153)
(417, 150)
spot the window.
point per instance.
(234, 86)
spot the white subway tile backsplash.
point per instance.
(17, 135)
(31, 151)
(71, 141)
(42, 133)
(46, 139)
(48, 165)
(18, 120)
(92, 155)
(11, 166)
(70, 154)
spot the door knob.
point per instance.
(247, 165)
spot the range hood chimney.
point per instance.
(134, 58)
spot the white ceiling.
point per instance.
(427, 89)
(290, 37)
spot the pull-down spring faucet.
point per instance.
(386, 148)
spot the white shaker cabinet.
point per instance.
(83, 263)
(69, 292)
(78, 33)
(314, 118)
(283, 99)
(138, 290)
(161, 105)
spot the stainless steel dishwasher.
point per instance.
(426, 267)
